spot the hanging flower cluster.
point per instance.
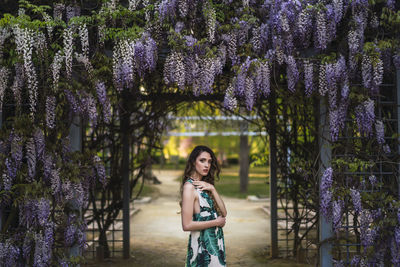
(68, 50)
(133, 57)
(35, 209)
(3, 83)
(24, 39)
(326, 193)
(365, 116)
(45, 169)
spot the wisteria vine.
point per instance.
(245, 51)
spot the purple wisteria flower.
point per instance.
(256, 40)
(58, 11)
(266, 79)
(81, 235)
(377, 75)
(69, 234)
(345, 90)
(179, 26)
(43, 211)
(356, 198)
(380, 132)
(232, 47)
(390, 4)
(365, 116)
(292, 73)
(304, 26)
(47, 166)
(366, 70)
(50, 111)
(27, 245)
(167, 9)
(88, 106)
(325, 193)
(334, 124)
(27, 210)
(10, 175)
(355, 261)
(341, 69)
(321, 34)
(372, 180)
(72, 11)
(4, 72)
(337, 214)
(395, 252)
(73, 103)
(55, 181)
(67, 190)
(376, 214)
(386, 149)
(308, 77)
(338, 263)
(190, 40)
(42, 253)
(31, 159)
(101, 92)
(367, 235)
(16, 149)
(250, 93)
(9, 253)
(396, 61)
(101, 172)
(63, 263)
(230, 102)
(397, 235)
(398, 215)
(330, 72)
(323, 87)
(38, 136)
(150, 58)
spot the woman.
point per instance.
(200, 203)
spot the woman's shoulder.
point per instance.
(188, 184)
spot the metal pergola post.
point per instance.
(273, 177)
(325, 226)
(1, 210)
(125, 178)
(75, 135)
(398, 121)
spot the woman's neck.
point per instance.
(196, 177)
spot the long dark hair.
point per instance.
(213, 173)
(191, 165)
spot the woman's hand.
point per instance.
(220, 221)
(203, 185)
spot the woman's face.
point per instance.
(203, 163)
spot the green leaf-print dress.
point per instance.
(206, 247)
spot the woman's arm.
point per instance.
(219, 201)
(209, 187)
(188, 224)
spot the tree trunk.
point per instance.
(244, 157)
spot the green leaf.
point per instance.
(211, 241)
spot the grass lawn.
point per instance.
(231, 189)
(229, 182)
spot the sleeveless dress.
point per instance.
(206, 247)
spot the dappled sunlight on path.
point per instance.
(157, 238)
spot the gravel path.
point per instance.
(157, 238)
